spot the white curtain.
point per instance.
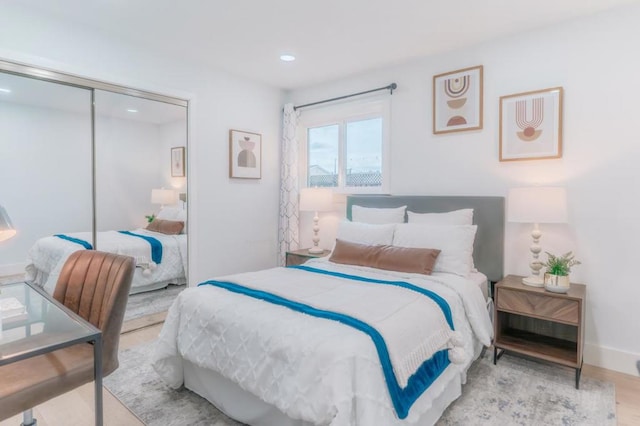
(288, 227)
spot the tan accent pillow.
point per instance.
(390, 258)
(169, 227)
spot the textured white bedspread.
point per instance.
(313, 369)
(48, 255)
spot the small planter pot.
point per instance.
(556, 283)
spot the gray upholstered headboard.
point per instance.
(488, 214)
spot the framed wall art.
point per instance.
(245, 155)
(457, 100)
(531, 125)
(177, 162)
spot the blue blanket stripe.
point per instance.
(433, 296)
(156, 246)
(402, 398)
(83, 243)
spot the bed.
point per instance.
(250, 352)
(48, 255)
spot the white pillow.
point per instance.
(366, 233)
(376, 215)
(455, 243)
(182, 217)
(456, 217)
(167, 213)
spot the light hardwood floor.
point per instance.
(75, 408)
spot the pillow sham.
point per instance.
(389, 258)
(455, 243)
(169, 227)
(377, 216)
(182, 217)
(455, 217)
(167, 213)
(366, 233)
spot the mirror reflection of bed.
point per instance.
(49, 145)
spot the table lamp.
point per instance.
(164, 196)
(6, 227)
(543, 204)
(316, 200)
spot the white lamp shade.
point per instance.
(6, 227)
(541, 204)
(164, 196)
(316, 199)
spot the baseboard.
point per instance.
(611, 359)
(12, 268)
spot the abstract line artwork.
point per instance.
(531, 125)
(457, 100)
(245, 155)
(455, 88)
(177, 162)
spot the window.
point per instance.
(345, 147)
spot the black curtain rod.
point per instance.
(390, 88)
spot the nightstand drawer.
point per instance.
(555, 309)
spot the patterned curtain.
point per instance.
(288, 226)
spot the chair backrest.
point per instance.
(95, 285)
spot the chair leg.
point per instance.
(27, 418)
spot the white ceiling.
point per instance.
(330, 38)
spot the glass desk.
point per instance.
(34, 323)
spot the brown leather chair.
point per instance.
(95, 285)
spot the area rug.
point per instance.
(515, 392)
(151, 302)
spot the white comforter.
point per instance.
(310, 368)
(48, 255)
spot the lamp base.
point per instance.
(316, 250)
(533, 281)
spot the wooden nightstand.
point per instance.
(534, 322)
(298, 257)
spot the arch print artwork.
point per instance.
(531, 125)
(457, 100)
(245, 155)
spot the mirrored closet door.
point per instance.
(45, 163)
(86, 164)
(137, 180)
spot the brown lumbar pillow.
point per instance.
(391, 258)
(169, 227)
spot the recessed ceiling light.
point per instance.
(287, 58)
(5, 90)
(132, 110)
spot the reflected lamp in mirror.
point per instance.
(6, 227)
(316, 200)
(535, 205)
(164, 197)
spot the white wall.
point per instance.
(45, 179)
(233, 223)
(595, 60)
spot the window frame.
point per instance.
(341, 115)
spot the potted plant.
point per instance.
(556, 277)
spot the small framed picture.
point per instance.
(177, 162)
(457, 100)
(245, 155)
(531, 125)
